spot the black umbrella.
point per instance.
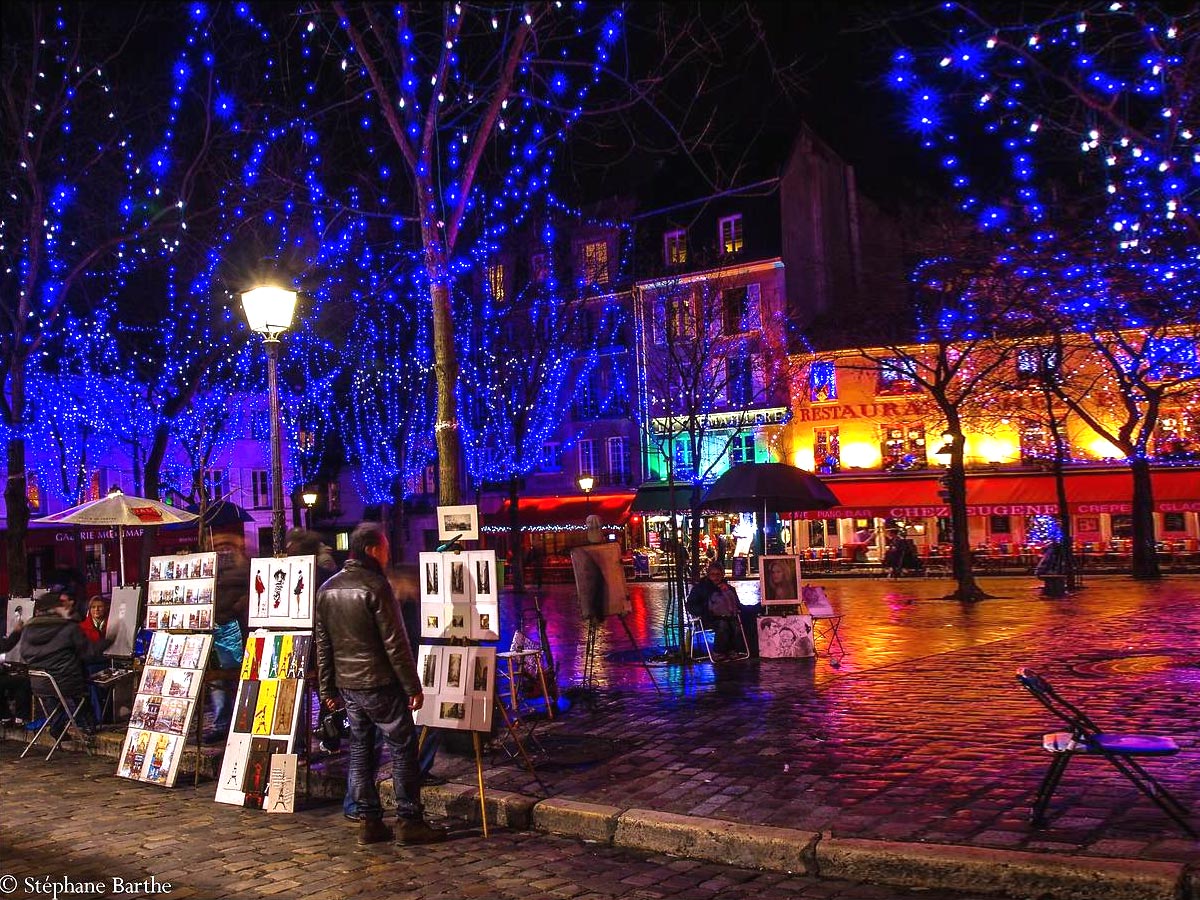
(768, 487)
(220, 513)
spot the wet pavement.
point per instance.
(71, 824)
(921, 734)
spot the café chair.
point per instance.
(50, 705)
(1085, 737)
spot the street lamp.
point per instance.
(309, 496)
(269, 311)
(586, 483)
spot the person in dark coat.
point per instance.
(53, 641)
(231, 612)
(364, 660)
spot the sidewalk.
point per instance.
(915, 763)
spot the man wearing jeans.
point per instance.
(363, 654)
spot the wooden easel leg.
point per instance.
(479, 775)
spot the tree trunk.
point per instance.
(960, 558)
(16, 505)
(1145, 558)
(515, 548)
(445, 367)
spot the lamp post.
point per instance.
(586, 483)
(269, 311)
(310, 500)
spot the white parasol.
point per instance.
(119, 509)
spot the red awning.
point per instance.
(611, 508)
(1007, 494)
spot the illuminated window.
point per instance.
(333, 498)
(903, 447)
(675, 248)
(33, 491)
(729, 233)
(595, 262)
(685, 463)
(306, 440)
(822, 381)
(1177, 436)
(95, 488)
(495, 277)
(1036, 443)
(827, 451)
(896, 376)
(539, 271)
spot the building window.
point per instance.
(550, 458)
(1037, 362)
(618, 460)
(674, 317)
(903, 447)
(539, 271)
(33, 492)
(495, 277)
(333, 498)
(740, 309)
(685, 463)
(587, 457)
(729, 233)
(1035, 440)
(827, 451)
(742, 449)
(260, 425)
(822, 381)
(1177, 436)
(261, 488)
(1000, 525)
(675, 248)
(739, 381)
(595, 262)
(896, 376)
(587, 402)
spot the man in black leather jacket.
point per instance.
(363, 654)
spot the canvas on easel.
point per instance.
(122, 621)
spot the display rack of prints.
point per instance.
(281, 592)
(459, 596)
(459, 684)
(179, 595)
(266, 714)
(164, 707)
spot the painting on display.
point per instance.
(281, 592)
(266, 713)
(779, 580)
(461, 522)
(431, 577)
(164, 707)
(122, 621)
(459, 687)
(485, 601)
(179, 595)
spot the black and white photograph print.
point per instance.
(431, 580)
(458, 579)
(460, 522)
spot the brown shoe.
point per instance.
(373, 831)
(418, 831)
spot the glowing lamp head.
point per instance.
(269, 309)
(586, 483)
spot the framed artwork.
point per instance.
(164, 707)
(458, 521)
(465, 679)
(779, 580)
(785, 636)
(179, 593)
(481, 571)
(266, 713)
(431, 580)
(281, 592)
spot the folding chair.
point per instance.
(50, 707)
(826, 628)
(1086, 737)
(696, 629)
